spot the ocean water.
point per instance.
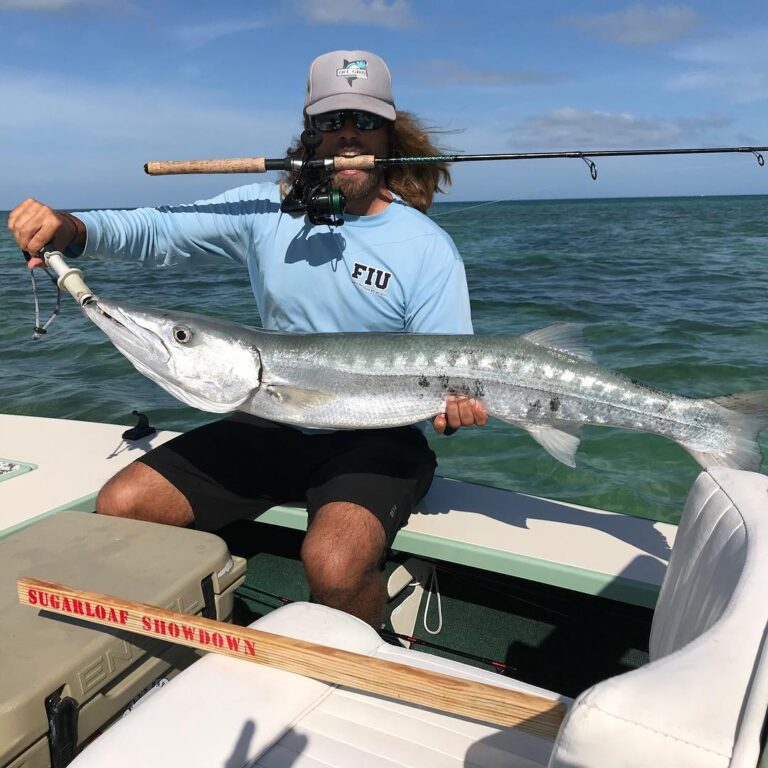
(671, 291)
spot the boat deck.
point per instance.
(62, 464)
(520, 578)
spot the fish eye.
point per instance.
(182, 333)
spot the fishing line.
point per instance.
(470, 208)
(41, 330)
(433, 587)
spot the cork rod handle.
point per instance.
(247, 165)
(231, 165)
(361, 162)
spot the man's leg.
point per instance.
(358, 497)
(224, 471)
(142, 493)
(342, 552)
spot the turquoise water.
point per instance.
(672, 291)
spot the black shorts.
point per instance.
(241, 466)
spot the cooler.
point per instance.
(62, 679)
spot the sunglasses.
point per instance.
(330, 122)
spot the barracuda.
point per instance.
(544, 382)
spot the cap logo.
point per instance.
(352, 70)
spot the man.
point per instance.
(388, 268)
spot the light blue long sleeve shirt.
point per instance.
(395, 271)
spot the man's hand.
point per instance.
(461, 412)
(35, 225)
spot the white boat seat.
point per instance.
(702, 699)
(224, 713)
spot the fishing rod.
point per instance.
(498, 666)
(313, 192)
(63, 277)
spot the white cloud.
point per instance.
(639, 25)
(202, 34)
(444, 72)
(734, 66)
(375, 13)
(567, 128)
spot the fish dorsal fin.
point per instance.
(567, 337)
(298, 397)
(561, 442)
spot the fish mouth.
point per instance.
(140, 344)
(132, 331)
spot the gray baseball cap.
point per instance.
(349, 80)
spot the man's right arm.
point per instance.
(164, 235)
(35, 225)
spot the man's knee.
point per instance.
(117, 497)
(140, 493)
(342, 550)
(338, 566)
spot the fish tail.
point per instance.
(746, 416)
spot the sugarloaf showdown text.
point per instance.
(150, 625)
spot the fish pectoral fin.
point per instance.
(567, 337)
(292, 396)
(561, 442)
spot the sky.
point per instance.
(90, 90)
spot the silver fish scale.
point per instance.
(359, 380)
(377, 380)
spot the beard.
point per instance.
(361, 186)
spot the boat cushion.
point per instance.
(702, 699)
(224, 712)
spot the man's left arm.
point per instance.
(441, 305)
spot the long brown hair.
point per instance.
(408, 137)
